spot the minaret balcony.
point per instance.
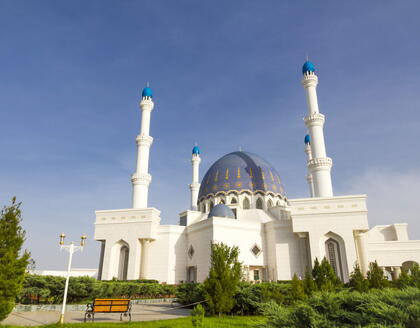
(314, 120)
(141, 178)
(320, 163)
(144, 140)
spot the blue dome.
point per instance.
(307, 139)
(308, 67)
(223, 211)
(196, 150)
(147, 92)
(240, 171)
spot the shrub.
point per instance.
(198, 316)
(189, 293)
(375, 308)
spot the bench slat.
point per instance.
(110, 305)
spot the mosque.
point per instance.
(241, 202)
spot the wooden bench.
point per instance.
(108, 305)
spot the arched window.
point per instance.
(234, 200)
(278, 203)
(123, 263)
(259, 204)
(269, 203)
(222, 201)
(245, 203)
(211, 206)
(332, 250)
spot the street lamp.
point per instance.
(71, 248)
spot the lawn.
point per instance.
(213, 322)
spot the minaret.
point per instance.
(308, 152)
(319, 165)
(195, 185)
(141, 178)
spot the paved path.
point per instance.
(139, 312)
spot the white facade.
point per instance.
(241, 202)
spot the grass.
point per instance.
(211, 322)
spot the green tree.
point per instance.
(404, 280)
(309, 283)
(376, 276)
(298, 291)
(224, 276)
(12, 263)
(415, 275)
(358, 281)
(324, 276)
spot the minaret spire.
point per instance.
(319, 165)
(195, 185)
(141, 178)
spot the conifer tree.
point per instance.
(12, 263)
(376, 276)
(297, 291)
(224, 276)
(309, 283)
(358, 281)
(404, 280)
(324, 276)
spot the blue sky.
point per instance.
(225, 74)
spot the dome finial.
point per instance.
(196, 150)
(308, 67)
(147, 91)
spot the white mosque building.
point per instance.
(241, 202)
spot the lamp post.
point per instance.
(71, 248)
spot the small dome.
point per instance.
(196, 150)
(307, 139)
(147, 92)
(221, 210)
(308, 67)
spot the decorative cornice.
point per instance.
(314, 119)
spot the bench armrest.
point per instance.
(89, 307)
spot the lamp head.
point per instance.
(62, 236)
(83, 240)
